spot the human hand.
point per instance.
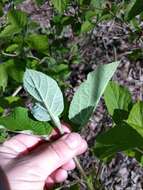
(29, 163)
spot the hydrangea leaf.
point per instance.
(89, 93)
(47, 92)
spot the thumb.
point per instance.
(48, 158)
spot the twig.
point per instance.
(9, 55)
(105, 46)
(17, 91)
(90, 187)
(33, 57)
(98, 171)
(115, 53)
(81, 170)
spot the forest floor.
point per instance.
(107, 42)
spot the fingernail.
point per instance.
(73, 140)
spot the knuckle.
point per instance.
(60, 151)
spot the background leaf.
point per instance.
(80, 1)
(3, 134)
(9, 31)
(10, 102)
(118, 101)
(40, 2)
(117, 97)
(116, 140)
(75, 187)
(98, 5)
(16, 2)
(134, 9)
(38, 42)
(18, 18)
(3, 77)
(12, 48)
(135, 118)
(15, 69)
(20, 120)
(60, 5)
(89, 93)
(86, 27)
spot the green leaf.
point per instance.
(116, 140)
(17, 18)
(118, 101)
(135, 119)
(86, 27)
(117, 97)
(20, 120)
(47, 92)
(12, 48)
(12, 99)
(3, 134)
(89, 93)
(80, 1)
(75, 187)
(89, 15)
(60, 5)
(10, 102)
(1, 110)
(16, 2)
(3, 77)
(9, 31)
(15, 69)
(136, 54)
(16, 73)
(38, 42)
(40, 2)
(134, 9)
(99, 5)
(1, 9)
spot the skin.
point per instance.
(27, 162)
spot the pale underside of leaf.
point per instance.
(89, 93)
(47, 92)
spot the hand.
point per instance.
(29, 163)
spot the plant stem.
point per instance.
(9, 55)
(98, 174)
(33, 57)
(17, 91)
(80, 168)
(58, 125)
(98, 170)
